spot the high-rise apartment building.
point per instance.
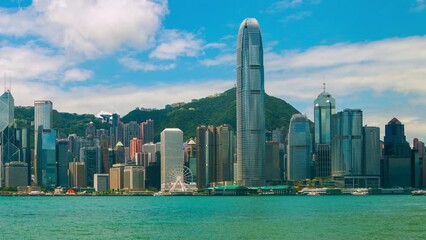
(250, 105)
(147, 131)
(131, 130)
(299, 151)
(171, 155)
(135, 147)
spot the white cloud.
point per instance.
(30, 62)
(384, 78)
(220, 60)
(110, 97)
(77, 75)
(297, 16)
(282, 5)
(136, 65)
(174, 43)
(88, 27)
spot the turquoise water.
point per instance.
(263, 217)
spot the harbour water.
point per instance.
(208, 217)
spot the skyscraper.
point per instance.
(131, 130)
(147, 131)
(201, 157)
(63, 157)
(250, 105)
(43, 119)
(324, 108)
(346, 146)
(299, 153)
(8, 150)
(46, 158)
(135, 147)
(171, 155)
(397, 156)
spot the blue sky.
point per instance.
(107, 55)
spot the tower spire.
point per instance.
(323, 86)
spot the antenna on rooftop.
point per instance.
(323, 88)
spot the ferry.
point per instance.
(360, 192)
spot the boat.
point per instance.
(418, 192)
(158, 194)
(313, 194)
(359, 193)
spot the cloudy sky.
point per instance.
(89, 56)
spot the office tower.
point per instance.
(46, 158)
(150, 148)
(9, 152)
(90, 130)
(346, 145)
(131, 130)
(119, 153)
(22, 142)
(225, 153)
(90, 154)
(250, 106)
(135, 147)
(201, 157)
(63, 157)
(419, 147)
(147, 131)
(142, 159)
(371, 151)
(299, 152)
(273, 169)
(16, 174)
(116, 177)
(324, 108)
(134, 178)
(397, 154)
(101, 182)
(322, 161)
(116, 130)
(191, 157)
(171, 155)
(211, 159)
(74, 146)
(77, 174)
(43, 119)
(103, 142)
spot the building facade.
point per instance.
(250, 105)
(171, 155)
(299, 150)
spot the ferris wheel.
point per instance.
(180, 178)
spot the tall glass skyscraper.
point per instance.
(46, 158)
(8, 150)
(43, 119)
(324, 107)
(346, 146)
(250, 105)
(299, 153)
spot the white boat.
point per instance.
(418, 192)
(359, 193)
(158, 194)
(313, 194)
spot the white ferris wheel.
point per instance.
(180, 178)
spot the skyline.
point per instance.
(370, 55)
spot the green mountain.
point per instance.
(213, 110)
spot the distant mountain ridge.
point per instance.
(214, 110)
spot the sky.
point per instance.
(88, 56)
